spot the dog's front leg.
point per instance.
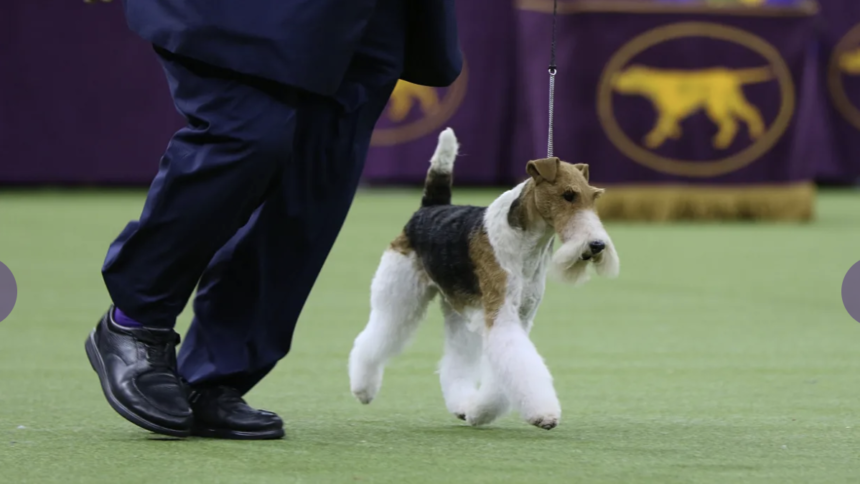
(491, 400)
(520, 370)
(460, 367)
(665, 127)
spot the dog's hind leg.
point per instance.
(751, 116)
(460, 368)
(400, 293)
(721, 115)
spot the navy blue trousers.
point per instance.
(246, 206)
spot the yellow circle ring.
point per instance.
(679, 167)
(834, 78)
(412, 131)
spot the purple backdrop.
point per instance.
(686, 74)
(83, 101)
(478, 107)
(840, 88)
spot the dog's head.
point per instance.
(565, 202)
(630, 80)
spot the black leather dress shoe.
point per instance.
(221, 413)
(137, 370)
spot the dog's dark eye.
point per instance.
(569, 195)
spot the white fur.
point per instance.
(460, 368)
(568, 265)
(608, 265)
(491, 401)
(446, 152)
(516, 364)
(398, 301)
(521, 371)
(484, 372)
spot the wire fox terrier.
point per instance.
(490, 266)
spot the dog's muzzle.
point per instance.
(595, 248)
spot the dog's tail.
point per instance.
(754, 75)
(437, 185)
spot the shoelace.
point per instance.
(160, 349)
(224, 393)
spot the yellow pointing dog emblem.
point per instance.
(678, 94)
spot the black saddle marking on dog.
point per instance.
(437, 189)
(440, 236)
(517, 214)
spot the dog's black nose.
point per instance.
(596, 247)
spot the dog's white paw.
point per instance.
(365, 383)
(546, 416)
(485, 411)
(546, 422)
(458, 410)
(364, 396)
(544, 413)
(457, 400)
(477, 419)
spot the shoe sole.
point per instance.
(230, 434)
(99, 366)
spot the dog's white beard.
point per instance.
(567, 263)
(568, 266)
(608, 264)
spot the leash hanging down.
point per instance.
(552, 71)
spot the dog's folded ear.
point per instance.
(583, 168)
(543, 169)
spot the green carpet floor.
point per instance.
(722, 354)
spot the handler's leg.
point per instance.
(253, 292)
(214, 174)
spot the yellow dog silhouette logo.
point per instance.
(849, 62)
(678, 94)
(406, 95)
(414, 111)
(845, 65)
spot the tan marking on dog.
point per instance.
(460, 302)
(556, 192)
(401, 244)
(677, 94)
(492, 279)
(523, 213)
